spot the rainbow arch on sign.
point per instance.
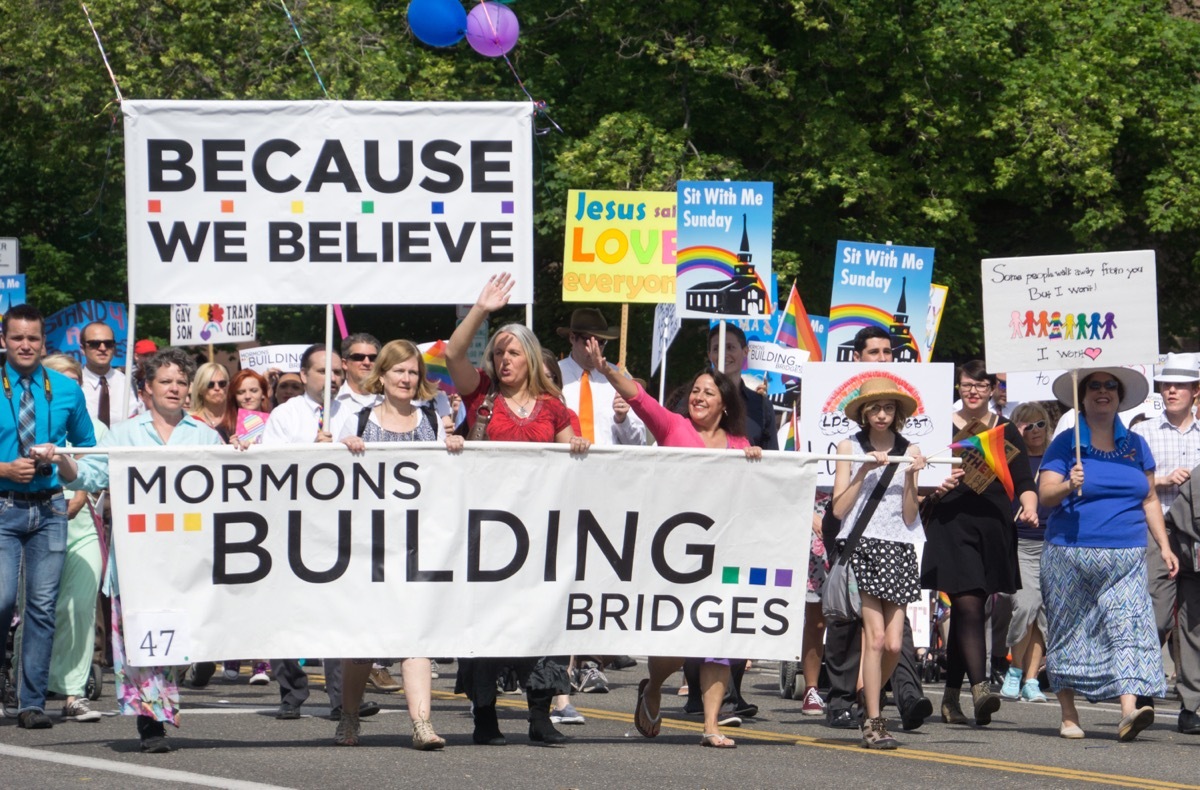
(848, 390)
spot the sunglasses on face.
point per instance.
(361, 357)
(97, 344)
(1039, 424)
(1108, 384)
(218, 385)
(600, 341)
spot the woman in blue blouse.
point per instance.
(1101, 638)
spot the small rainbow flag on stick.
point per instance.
(991, 444)
(792, 443)
(435, 365)
(795, 330)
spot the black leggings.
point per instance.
(967, 648)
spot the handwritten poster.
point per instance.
(619, 247)
(198, 324)
(724, 259)
(881, 285)
(1047, 312)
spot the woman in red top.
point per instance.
(525, 406)
(716, 421)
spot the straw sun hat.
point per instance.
(877, 389)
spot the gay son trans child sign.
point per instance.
(327, 201)
(724, 258)
(198, 324)
(619, 247)
(209, 539)
(883, 285)
(1048, 312)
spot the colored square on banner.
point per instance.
(192, 522)
(226, 206)
(368, 207)
(507, 206)
(164, 522)
(758, 576)
(154, 206)
(729, 574)
(137, 522)
(437, 207)
(783, 577)
(297, 206)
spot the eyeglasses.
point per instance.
(361, 357)
(974, 386)
(1039, 424)
(218, 385)
(600, 341)
(97, 344)
(1107, 384)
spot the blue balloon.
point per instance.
(438, 23)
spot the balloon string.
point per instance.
(317, 74)
(103, 54)
(487, 14)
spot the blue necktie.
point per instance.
(26, 419)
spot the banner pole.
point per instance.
(326, 398)
(624, 335)
(529, 316)
(130, 343)
(212, 354)
(662, 361)
(1078, 416)
(721, 345)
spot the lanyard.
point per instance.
(8, 393)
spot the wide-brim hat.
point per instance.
(588, 321)
(877, 389)
(1179, 369)
(1134, 383)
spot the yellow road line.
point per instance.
(907, 753)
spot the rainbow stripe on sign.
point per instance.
(732, 574)
(165, 522)
(991, 445)
(721, 262)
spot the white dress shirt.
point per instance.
(346, 405)
(608, 430)
(296, 421)
(116, 394)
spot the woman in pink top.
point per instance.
(716, 421)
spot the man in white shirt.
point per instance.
(604, 416)
(103, 385)
(359, 352)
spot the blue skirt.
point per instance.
(1100, 635)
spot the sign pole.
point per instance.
(326, 398)
(662, 361)
(130, 342)
(624, 334)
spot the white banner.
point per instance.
(1090, 310)
(322, 201)
(776, 359)
(502, 550)
(829, 386)
(198, 324)
(261, 359)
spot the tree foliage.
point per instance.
(1014, 127)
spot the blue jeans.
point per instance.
(37, 530)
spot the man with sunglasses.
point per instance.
(359, 352)
(103, 385)
(1174, 440)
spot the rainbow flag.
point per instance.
(795, 330)
(991, 444)
(792, 443)
(435, 365)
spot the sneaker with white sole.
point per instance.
(567, 715)
(813, 704)
(590, 680)
(1032, 692)
(727, 717)
(80, 711)
(1012, 683)
(260, 676)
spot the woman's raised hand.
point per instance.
(596, 355)
(496, 292)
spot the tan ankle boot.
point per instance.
(986, 701)
(952, 712)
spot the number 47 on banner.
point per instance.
(157, 638)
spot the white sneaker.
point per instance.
(567, 715)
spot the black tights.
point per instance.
(967, 648)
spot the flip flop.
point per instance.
(646, 724)
(716, 740)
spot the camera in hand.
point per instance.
(43, 467)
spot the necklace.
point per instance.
(522, 410)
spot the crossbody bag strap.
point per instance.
(860, 525)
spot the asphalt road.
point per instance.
(230, 738)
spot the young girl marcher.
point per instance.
(884, 559)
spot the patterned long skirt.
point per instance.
(1100, 634)
(142, 691)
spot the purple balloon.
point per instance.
(492, 29)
